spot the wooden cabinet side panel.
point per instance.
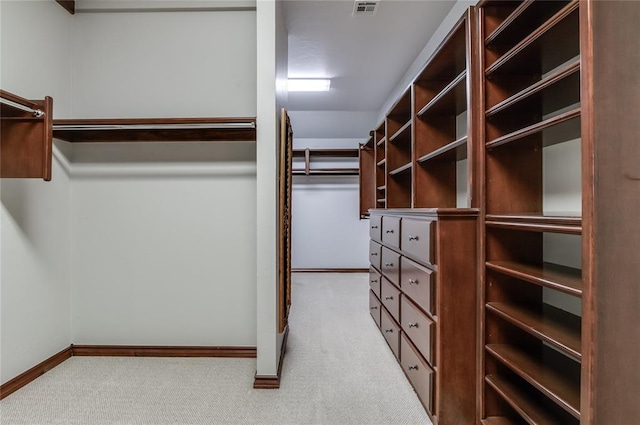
(457, 295)
(611, 177)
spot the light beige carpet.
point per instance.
(338, 370)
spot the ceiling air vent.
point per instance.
(365, 8)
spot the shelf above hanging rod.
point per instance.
(156, 130)
(17, 102)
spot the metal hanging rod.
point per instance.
(229, 125)
(36, 112)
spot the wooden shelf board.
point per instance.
(554, 77)
(446, 149)
(554, 326)
(401, 169)
(382, 162)
(329, 153)
(499, 420)
(17, 99)
(383, 187)
(533, 37)
(546, 374)
(508, 21)
(155, 130)
(536, 223)
(521, 401)
(381, 200)
(381, 141)
(329, 171)
(400, 132)
(449, 92)
(554, 276)
(532, 129)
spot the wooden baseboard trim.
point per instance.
(40, 369)
(355, 270)
(262, 382)
(162, 351)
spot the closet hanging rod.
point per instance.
(36, 112)
(213, 126)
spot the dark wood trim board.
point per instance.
(70, 5)
(38, 370)
(262, 382)
(126, 351)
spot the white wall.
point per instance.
(326, 208)
(163, 236)
(164, 64)
(163, 253)
(271, 97)
(35, 217)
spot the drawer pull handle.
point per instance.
(413, 281)
(374, 308)
(412, 367)
(374, 254)
(413, 325)
(374, 227)
(388, 264)
(388, 298)
(389, 231)
(388, 330)
(413, 238)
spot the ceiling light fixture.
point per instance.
(308, 84)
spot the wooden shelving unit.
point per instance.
(310, 154)
(541, 99)
(367, 175)
(25, 137)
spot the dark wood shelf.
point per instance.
(499, 420)
(383, 187)
(554, 276)
(452, 148)
(398, 134)
(522, 402)
(558, 75)
(381, 141)
(508, 21)
(552, 325)
(26, 142)
(381, 200)
(331, 153)
(382, 162)
(553, 374)
(523, 20)
(453, 97)
(328, 172)
(401, 169)
(533, 129)
(156, 130)
(528, 44)
(536, 223)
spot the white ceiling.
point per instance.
(365, 56)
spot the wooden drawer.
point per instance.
(391, 231)
(419, 328)
(417, 239)
(375, 254)
(390, 266)
(375, 227)
(374, 281)
(418, 283)
(421, 376)
(374, 308)
(391, 332)
(390, 298)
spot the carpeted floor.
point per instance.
(338, 370)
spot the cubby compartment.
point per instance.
(399, 189)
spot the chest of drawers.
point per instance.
(423, 298)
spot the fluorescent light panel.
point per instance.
(308, 84)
